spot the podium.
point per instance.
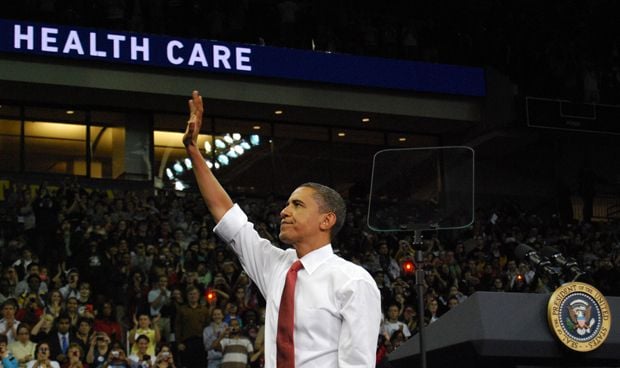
(492, 329)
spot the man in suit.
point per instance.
(60, 339)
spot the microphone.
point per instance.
(569, 265)
(524, 251)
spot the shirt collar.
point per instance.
(316, 258)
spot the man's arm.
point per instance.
(361, 320)
(217, 200)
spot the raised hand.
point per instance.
(194, 123)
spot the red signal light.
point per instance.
(408, 267)
(210, 296)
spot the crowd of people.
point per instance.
(556, 49)
(121, 278)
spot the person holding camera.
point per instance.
(7, 360)
(98, 350)
(141, 358)
(164, 359)
(74, 357)
(42, 359)
(235, 348)
(117, 359)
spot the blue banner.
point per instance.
(240, 59)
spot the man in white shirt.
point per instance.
(159, 299)
(337, 309)
(8, 323)
(392, 324)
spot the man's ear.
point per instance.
(328, 221)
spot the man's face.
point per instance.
(8, 311)
(193, 296)
(234, 326)
(301, 218)
(217, 315)
(143, 345)
(393, 313)
(63, 325)
(2, 348)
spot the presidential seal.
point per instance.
(579, 316)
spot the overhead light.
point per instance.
(220, 144)
(342, 134)
(239, 149)
(70, 112)
(217, 165)
(232, 153)
(223, 159)
(365, 120)
(245, 145)
(209, 164)
(236, 136)
(256, 127)
(254, 139)
(402, 139)
(188, 163)
(228, 139)
(278, 112)
(207, 147)
(177, 167)
(178, 185)
(169, 174)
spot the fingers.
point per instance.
(194, 123)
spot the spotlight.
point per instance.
(255, 139)
(223, 159)
(239, 149)
(209, 164)
(177, 167)
(245, 145)
(207, 147)
(228, 139)
(188, 163)
(236, 136)
(169, 174)
(178, 185)
(231, 153)
(220, 144)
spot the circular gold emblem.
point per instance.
(579, 316)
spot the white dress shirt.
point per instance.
(337, 303)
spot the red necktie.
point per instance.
(286, 319)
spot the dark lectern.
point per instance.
(503, 330)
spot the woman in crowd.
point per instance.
(164, 359)
(74, 355)
(141, 357)
(23, 349)
(41, 331)
(144, 327)
(55, 303)
(106, 322)
(42, 359)
(98, 350)
(84, 332)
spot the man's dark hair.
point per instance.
(329, 201)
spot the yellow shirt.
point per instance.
(20, 350)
